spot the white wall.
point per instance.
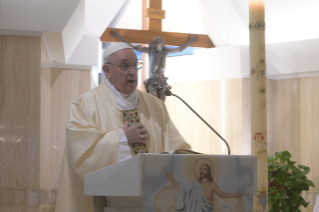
(208, 64)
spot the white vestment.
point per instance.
(191, 198)
(93, 140)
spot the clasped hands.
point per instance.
(135, 134)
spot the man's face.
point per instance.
(203, 171)
(125, 82)
(159, 46)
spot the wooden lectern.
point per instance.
(142, 183)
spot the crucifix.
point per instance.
(150, 34)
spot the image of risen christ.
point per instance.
(199, 193)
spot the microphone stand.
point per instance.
(169, 93)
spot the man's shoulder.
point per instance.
(150, 98)
(146, 95)
(87, 96)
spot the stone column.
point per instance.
(258, 99)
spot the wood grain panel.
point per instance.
(66, 86)
(271, 103)
(18, 209)
(309, 129)
(298, 124)
(288, 120)
(45, 128)
(20, 110)
(246, 135)
(233, 114)
(201, 138)
(208, 98)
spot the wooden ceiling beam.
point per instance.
(146, 36)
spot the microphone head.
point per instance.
(167, 93)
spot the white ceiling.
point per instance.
(71, 28)
(287, 20)
(291, 20)
(36, 15)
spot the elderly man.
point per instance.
(111, 123)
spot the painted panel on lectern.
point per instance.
(199, 183)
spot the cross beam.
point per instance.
(152, 28)
(146, 36)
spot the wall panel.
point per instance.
(288, 117)
(298, 125)
(19, 111)
(219, 102)
(271, 116)
(45, 153)
(34, 105)
(66, 86)
(309, 130)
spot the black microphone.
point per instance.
(169, 93)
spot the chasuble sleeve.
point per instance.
(88, 147)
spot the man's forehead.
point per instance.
(115, 47)
(125, 55)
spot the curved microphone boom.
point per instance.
(169, 93)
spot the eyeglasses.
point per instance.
(126, 67)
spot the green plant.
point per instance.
(286, 182)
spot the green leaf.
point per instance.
(269, 205)
(303, 173)
(286, 153)
(293, 199)
(289, 183)
(285, 157)
(271, 179)
(271, 189)
(303, 167)
(305, 204)
(297, 194)
(270, 159)
(291, 177)
(291, 163)
(287, 207)
(284, 168)
(279, 195)
(282, 175)
(309, 183)
(295, 169)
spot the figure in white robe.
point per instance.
(93, 135)
(191, 197)
(197, 196)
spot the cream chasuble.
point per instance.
(93, 140)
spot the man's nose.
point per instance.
(132, 70)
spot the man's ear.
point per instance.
(107, 71)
